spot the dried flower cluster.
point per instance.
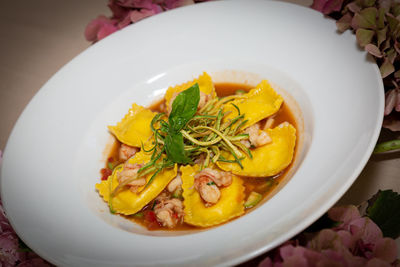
(125, 12)
(354, 241)
(376, 24)
(12, 251)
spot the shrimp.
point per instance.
(257, 137)
(169, 212)
(220, 178)
(126, 152)
(207, 189)
(135, 184)
(270, 121)
(207, 182)
(174, 184)
(130, 172)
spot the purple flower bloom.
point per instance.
(327, 6)
(99, 28)
(125, 12)
(356, 241)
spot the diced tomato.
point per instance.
(150, 220)
(150, 216)
(105, 172)
(110, 159)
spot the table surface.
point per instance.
(41, 36)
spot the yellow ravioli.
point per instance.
(269, 159)
(126, 202)
(134, 128)
(229, 206)
(205, 85)
(259, 103)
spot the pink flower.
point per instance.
(344, 214)
(99, 28)
(9, 250)
(170, 4)
(137, 15)
(356, 241)
(125, 12)
(327, 6)
(385, 249)
(147, 4)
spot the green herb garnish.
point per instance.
(189, 134)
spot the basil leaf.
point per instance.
(174, 148)
(384, 210)
(183, 108)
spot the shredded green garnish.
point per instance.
(110, 165)
(204, 133)
(188, 135)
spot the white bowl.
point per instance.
(59, 144)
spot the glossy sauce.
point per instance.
(263, 186)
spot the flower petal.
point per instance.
(390, 101)
(386, 249)
(393, 125)
(93, 28)
(344, 214)
(106, 30)
(136, 15)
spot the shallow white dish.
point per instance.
(54, 154)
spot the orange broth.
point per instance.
(262, 185)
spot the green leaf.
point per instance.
(381, 18)
(386, 68)
(368, 3)
(364, 37)
(384, 210)
(184, 107)
(393, 22)
(391, 55)
(366, 18)
(22, 247)
(381, 35)
(396, 9)
(385, 45)
(174, 148)
(388, 145)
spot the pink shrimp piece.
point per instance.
(207, 189)
(257, 137)
(168, 211)
(126, 152)
(207, 183)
